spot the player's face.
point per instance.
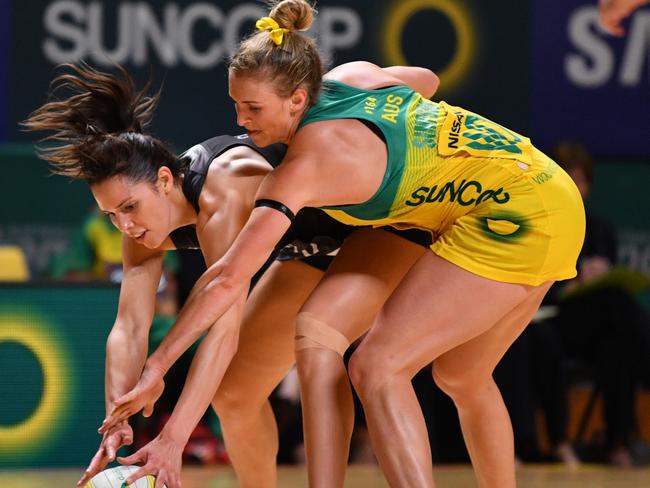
(267, 117)
(138, 210)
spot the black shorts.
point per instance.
(314, 236)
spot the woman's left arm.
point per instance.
(422, 80)
(368, 75)
(162, 456)
(221, 284)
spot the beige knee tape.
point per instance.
(311, 332)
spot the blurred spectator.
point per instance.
(532, 373)
(600, 320)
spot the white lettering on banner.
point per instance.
(594, 64)
(144, 33)
(161, 40)
(347, 36)
(69, 32)
(637, 55)
(96, 31)
(194, 58)
(236, 19)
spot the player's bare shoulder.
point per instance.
(361, 74)
(332, 146)
(317, 142)
(236, 172)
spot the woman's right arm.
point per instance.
(127, 343)
(368, 75)
(614, 12)
(422, 80)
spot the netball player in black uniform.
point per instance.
(202, 200)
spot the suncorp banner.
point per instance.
(196, 35)
(588, 85)
(185, 44)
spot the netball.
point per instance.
(116, 478)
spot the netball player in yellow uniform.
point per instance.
(506, 221)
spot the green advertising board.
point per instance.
(52, 343)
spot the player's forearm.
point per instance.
(422, 80)
(126, 353)
(208, 367)
(223, 282)
(196, 317)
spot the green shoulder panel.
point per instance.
(387, 109)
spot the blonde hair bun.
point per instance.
(295, 15)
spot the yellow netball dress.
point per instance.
(495, 205)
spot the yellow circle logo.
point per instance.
(452, 74)
(32, 433)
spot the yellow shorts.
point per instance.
(529, 233)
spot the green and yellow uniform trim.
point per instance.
(494, 204)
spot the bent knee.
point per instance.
(229, 402)
(371, 373)
(223, 403)
(460, 384)
(314, 333)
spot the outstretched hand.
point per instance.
(142, 397)
(613, 12)
(114, 438)
(162, 458)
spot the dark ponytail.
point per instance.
(97, 129)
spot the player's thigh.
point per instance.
(475, 360)
(366, 270)
(266, 342)
(436, 307)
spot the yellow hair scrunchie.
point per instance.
(276, 33)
